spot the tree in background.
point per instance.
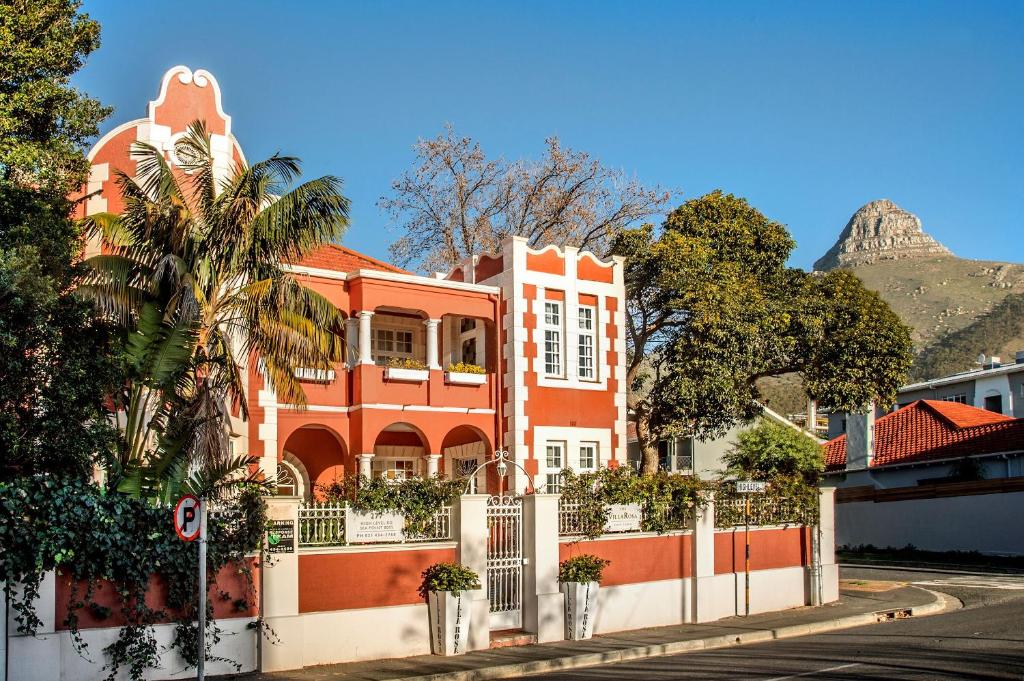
(57, 361)
(772, 450)
(194, 274)
(712, 308)
(459, 203)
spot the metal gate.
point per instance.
(505, 561)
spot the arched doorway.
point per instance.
(398, 453)
(314, 455)
(463, 449)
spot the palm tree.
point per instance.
(194, 274)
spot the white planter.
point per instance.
(464, 379)
(580, 609)
(449, 622)
(414, 375)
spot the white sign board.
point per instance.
(186, 518)
(750, 486)
(623, 518)
(367, 527)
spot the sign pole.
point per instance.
(746, 555)
(200, 665)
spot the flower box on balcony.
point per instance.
(412, 375)
(462, 378)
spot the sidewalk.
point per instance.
(858, 605)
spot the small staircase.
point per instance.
(506, 638)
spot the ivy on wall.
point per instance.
(52, 523)
(418, 499)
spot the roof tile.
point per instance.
(341, 259)
(930, 430)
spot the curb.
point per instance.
(919, 568)
(941, 603)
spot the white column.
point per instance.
(543, 603)
(432, 465)
(827, 544)
(703, 575)
(470, 530)
(432, 356)
(279, 582)
(352, 341)
(365, 467)
(365, 342)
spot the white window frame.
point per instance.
(554, 339)
(586, 343)
(553, 477)
(387, 465)
(382, 350)
(594, 458)
(959, 398)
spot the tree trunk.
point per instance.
(648, 446)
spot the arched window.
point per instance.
(288, 481)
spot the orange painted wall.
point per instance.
(346, 581)
(228, 580)
(549, 262)
(638, 559)
(487, 267)
(769, 549)
(321, 453)
(588, 268)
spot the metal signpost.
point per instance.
(746, 488)
(190, 516)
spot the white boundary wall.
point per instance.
(989, 523)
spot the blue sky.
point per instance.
(807, 109)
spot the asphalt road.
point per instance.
(984, 640)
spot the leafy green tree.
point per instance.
(712, 308)
(57, 361)
(771, 450)
(194, 272)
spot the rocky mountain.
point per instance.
(951, 303)
(880, 230)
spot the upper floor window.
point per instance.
(959, 397)
(553, 338)
(587, 340)
(388, 343)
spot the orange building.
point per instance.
(546, 327)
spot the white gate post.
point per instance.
(542, 605)
(279, 597)
(703, 574)
(470, 530)
(829, 572)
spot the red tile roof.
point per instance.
(341, 259)
(930, 430)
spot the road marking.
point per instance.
(816, 671)
(1004, 583)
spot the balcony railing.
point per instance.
(323, 524)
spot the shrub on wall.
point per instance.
(71, 526)
(665, 499)
(418, 499)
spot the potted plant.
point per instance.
(580, 577)
(407, 369)
(448, 606)
(464, 373)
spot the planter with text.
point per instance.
(446, 587)
(580, 578)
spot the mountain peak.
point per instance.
(880, 230)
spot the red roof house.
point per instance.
(930, 430)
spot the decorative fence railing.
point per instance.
(323, 524)
(765, 509)
(575, 519)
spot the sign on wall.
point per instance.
(623, 518)
(362, 527)
(750, 486)
(281, 536)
